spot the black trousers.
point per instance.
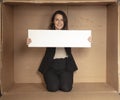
(57, 77)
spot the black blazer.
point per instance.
(48, 59)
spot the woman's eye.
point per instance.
(56, 20)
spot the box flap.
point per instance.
(60, 1)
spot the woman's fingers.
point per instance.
(90, 38)
(29, 41)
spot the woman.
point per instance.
(58, 65)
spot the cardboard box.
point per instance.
(98, 65)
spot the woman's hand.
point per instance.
(28, 41)
(90, 39)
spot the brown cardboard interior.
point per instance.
(0, 48)
(119, 48)
(112, 52)
(76, 2)
(96, 65)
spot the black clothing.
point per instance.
(58, 73)
(48, 60)
(58, 78)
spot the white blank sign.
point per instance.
(59, 38)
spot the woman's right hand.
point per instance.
(28, 41)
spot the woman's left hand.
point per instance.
(90, 38)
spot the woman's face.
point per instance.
(58, 22)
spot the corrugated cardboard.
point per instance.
(19, 73)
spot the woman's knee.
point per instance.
(53, 88)
(66, 88)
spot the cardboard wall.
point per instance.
(97, 64)
(0, 48)
(119, 47)
(112, 46)
(91, 62)
(59, 1)
(7, 70)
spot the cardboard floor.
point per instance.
(82, 91)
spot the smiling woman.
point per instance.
(58, 64)
(58, 70)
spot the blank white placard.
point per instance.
(59, 38)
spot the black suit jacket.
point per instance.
(48, 59)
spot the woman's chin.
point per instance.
(59, 29)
